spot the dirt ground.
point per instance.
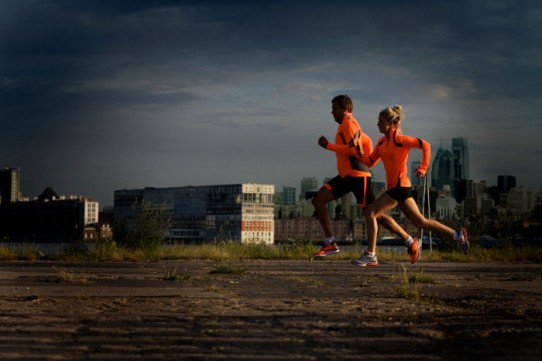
(269, 310)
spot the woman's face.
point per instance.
(383, 125)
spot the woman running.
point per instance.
(350, 143)
(393, 149)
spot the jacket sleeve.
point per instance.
(352, 146)
(372, 159)
(412, 142)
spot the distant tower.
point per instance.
(505, 183)
(289, 195)
(460, 164)
(308, 184)
(460, 168)
(441, 173)
(10, 185)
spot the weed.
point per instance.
(314, 282)
(65, 276)
(233, 251)
(411, 284)
(174, 275)
(227, 267)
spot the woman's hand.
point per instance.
(419, 174)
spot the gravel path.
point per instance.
(269, 310)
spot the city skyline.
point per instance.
(100, 95)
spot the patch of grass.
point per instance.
(7, 253)
(21, 251)
(232, 251)
(227, 267)
(66, 276)
(411, 284)
(419, 278)
(174, 275)
(315, 282)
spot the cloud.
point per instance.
(164, 91)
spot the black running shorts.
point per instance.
(400, 194)
(360, 186)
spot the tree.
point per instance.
(150, 227)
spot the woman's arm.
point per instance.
(412, 142)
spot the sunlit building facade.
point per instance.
(235, 212)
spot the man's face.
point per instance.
(337, 112)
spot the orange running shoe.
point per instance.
(413, 251)
(326, 250)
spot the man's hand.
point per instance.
(322, 141)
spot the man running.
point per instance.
(354, 176)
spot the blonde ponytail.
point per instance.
(393, 114)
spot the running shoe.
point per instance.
(365, 260)
(414, 251)
(463, 239)
(327, 249)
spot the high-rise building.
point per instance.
(10, 185)
(289, 195)
(308, 184)
(474, 192)
(441, 173)
(506, 183)
(460, 161)
(235, 212)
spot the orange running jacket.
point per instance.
(350, 144)
(394, 155)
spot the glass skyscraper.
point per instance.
(441, 173)
(461, 165)
(452, 168)
(308, 184)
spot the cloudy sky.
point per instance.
(100, 95)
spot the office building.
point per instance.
(521, 201)
(308, 185)
(445, 207)
(289, 195)
(50, 219)
(309, 229)
(441, 173)
(474, 193)
(460, 161)
(10, 185)
(505, 183)
(452, 168)
(236, 212)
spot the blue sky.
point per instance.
(101, 95)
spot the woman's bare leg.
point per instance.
(411, 211)
(375, 210)
(390, 223)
